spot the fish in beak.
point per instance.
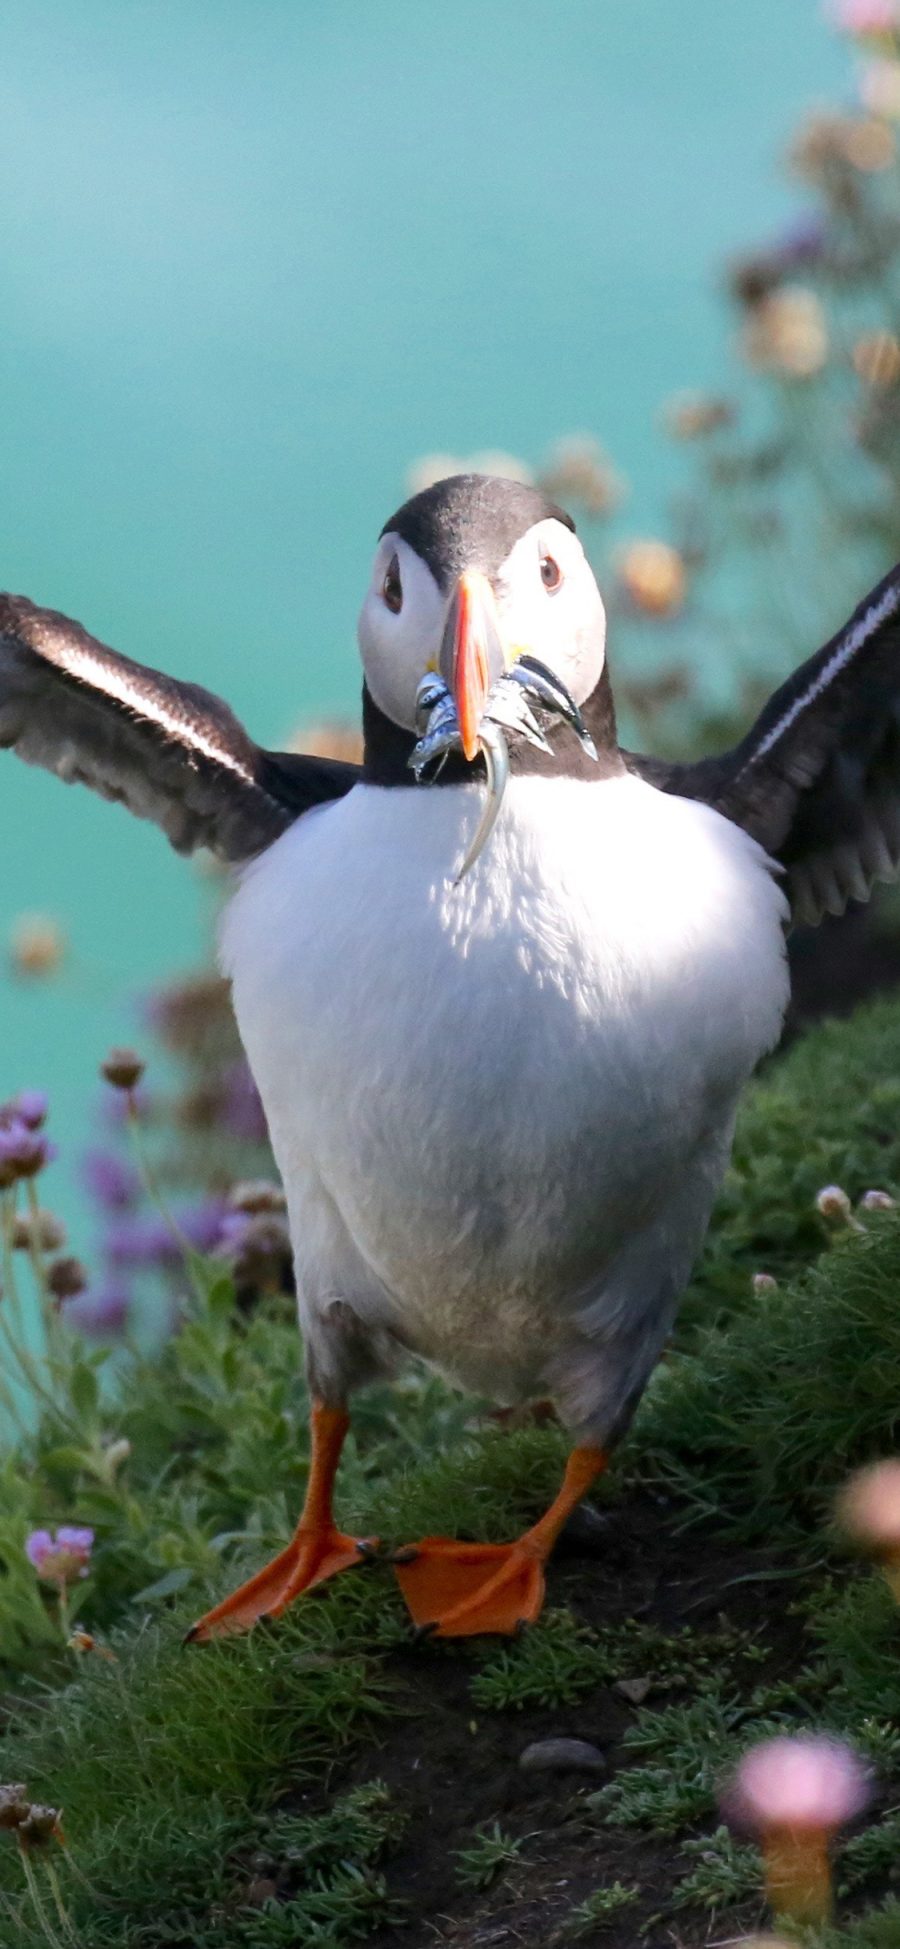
(482, 690)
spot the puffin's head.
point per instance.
(482, 620)
(469, 576)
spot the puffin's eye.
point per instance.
(392, 587)
(551, 574)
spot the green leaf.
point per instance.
(165, 1586)
(84, 1390)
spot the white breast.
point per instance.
(478, 1094)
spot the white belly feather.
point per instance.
(490, 1103)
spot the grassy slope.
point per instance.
(175, 1769)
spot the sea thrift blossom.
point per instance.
(113, 1183)
(866, 16)
(32, 1107)
(833, 1204)
(868, 1510)
(23, 1151)
(795, 1793)
(61, 1558)
(877, 1201)
(762, 1283)
(99, 1315)
(123, 1068)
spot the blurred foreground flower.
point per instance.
(60, 1558)
(868, 1511)
(36, 946)
(786, 333)
(652, 575)
(795, 1793)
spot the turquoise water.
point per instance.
(256, 258)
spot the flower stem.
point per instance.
(37, 1899)
(157, 1197)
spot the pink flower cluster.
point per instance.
(866, 16)
(61, 1558)
(807, 1781)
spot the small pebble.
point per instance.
(633, 1689)
(562, 1756)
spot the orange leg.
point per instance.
(460, 1589)
(316, 1550)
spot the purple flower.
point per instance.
(32, 1107)
(113, 1183)
(23, 1152)
(136, 1241)
(99, 1315)
(132, 1240)
(63, 1558)
(202, 1223)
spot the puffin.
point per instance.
(500, 986)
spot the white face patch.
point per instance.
(397, 649)
(565, 626)
(548, 601)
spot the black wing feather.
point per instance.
(817, 779)
(172, 752)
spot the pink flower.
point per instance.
(63, 1558)
(866, 16)
(795, 1793)
(805, 1782)
(869, 1509)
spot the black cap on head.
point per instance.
(471, 521)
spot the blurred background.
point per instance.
(267, 267)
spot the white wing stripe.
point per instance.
(845, 652)
(116, 684)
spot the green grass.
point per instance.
(175, 1769)
(598, 1910)
(489, 1853)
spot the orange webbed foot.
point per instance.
(463, 1590)
(311, 1557)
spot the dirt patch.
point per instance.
(454, 1769)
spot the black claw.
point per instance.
(370, 1552)
(522, 1625)
(423, 1631)
(407, 1553)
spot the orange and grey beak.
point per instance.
(473, 653)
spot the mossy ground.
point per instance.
(327, 1780)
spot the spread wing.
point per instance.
(170, 751)
(817, 779)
